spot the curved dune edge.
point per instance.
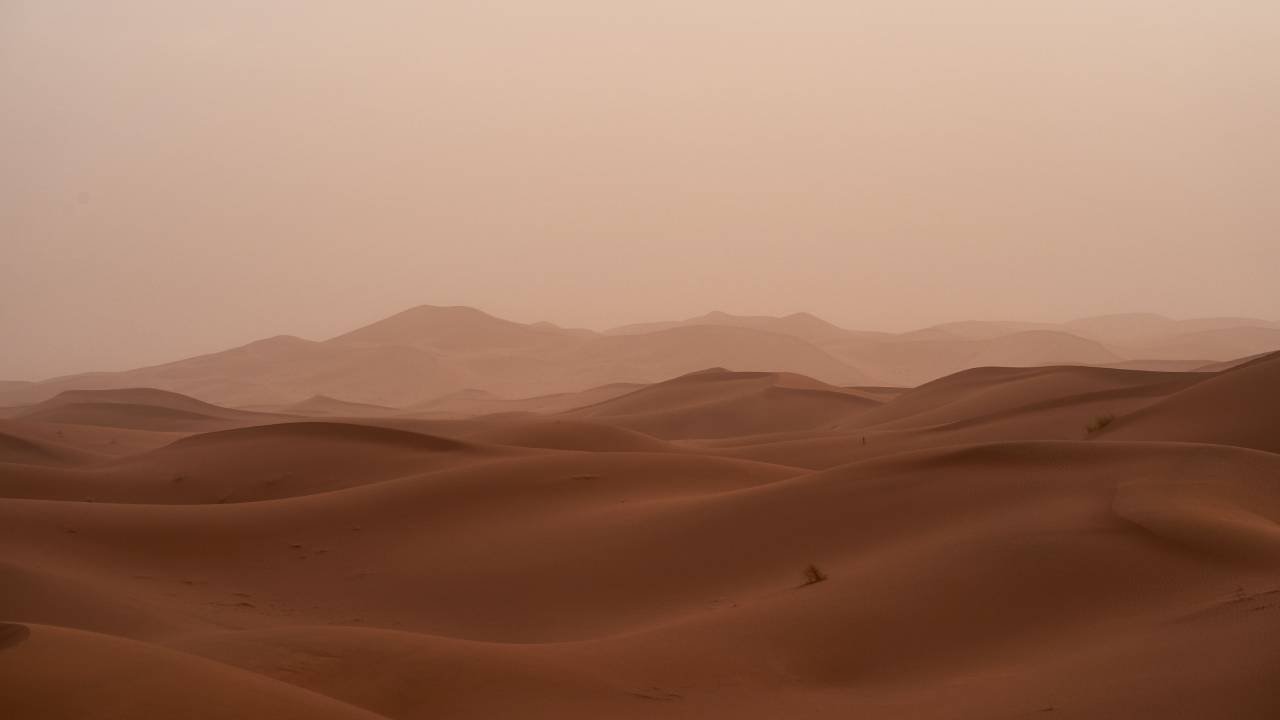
(567, 434)
(1197, 664)
(61, 673)
(23, 448)
(254, 463)
(1237, 406)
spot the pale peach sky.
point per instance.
(179, 177)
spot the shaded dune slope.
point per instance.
(1239, 406)
(121, 678)
(19, 445)
(568, 434)
(719, 403)
(975, 406)
(138, 409)
(253, 463)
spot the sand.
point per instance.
(990, 548)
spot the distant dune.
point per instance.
(719, 403)
(1218, 344)
(19, 444)
(567, 434)
(427, 359)
(325, 406)
(480, 402)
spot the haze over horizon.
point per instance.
(656, 320)
(181, 179)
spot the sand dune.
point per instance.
(720, 403)
(537, 681)
(1219, 344)
(914, 360)
(1162, 365)
(20, 443)
(278, 370)
(41, 592)
(454, 361)
(720, 578)
(567, 434)
(453, 328)
(1239, 406)
(995, 417)
(325, 406)
(466, 403)
(985, 391)
(138, 396)
(122, 678)
(91, 442)
(136, 409)
(1147, 328)
(659, 355)
(801, 325)
(134, 417)
(254, 463)
(1228, 364)
(988, 549)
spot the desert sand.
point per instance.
(1002, 542)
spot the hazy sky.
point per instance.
(178, 177)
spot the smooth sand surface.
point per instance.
(1062, 541)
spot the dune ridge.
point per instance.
(429, 358)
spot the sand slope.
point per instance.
(117, 678)
(254, 463)
(325, 406)
(19, 443)
(471, 402)
(719, 403)
(985, 552)
(1239, 406)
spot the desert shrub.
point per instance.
(813, 575)
(1100, 422)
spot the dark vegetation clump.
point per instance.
(813, 575)
(1099, 423)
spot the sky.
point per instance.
(182, 177)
